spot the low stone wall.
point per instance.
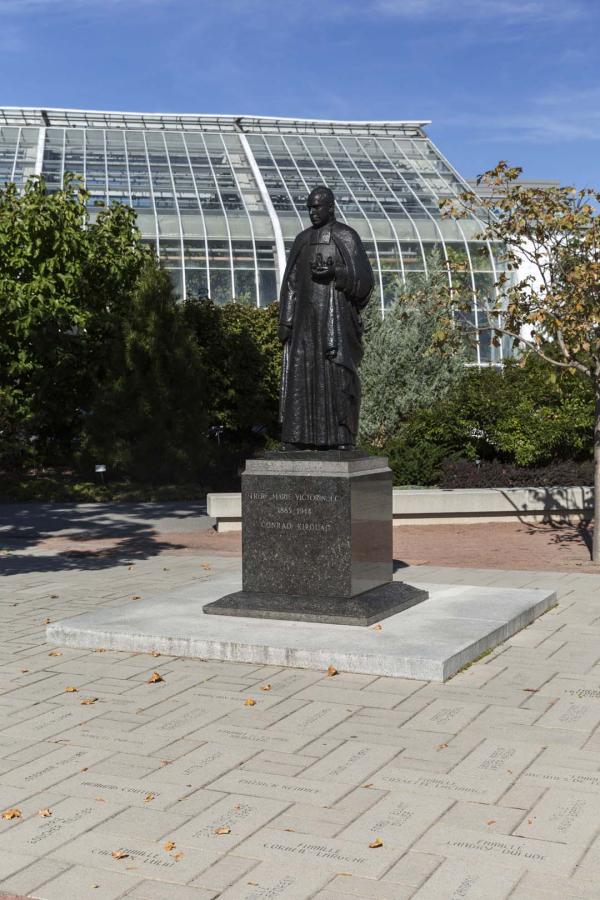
(429, 507)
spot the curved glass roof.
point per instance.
(222, 197)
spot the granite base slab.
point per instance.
(431, 641)
(364, 609)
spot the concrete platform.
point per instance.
(431, 641)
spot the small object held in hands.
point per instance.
(223, 830)
(155, 678)
(376, 843)
(331, 671)
(119, 854)
(249, 702)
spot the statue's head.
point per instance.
(321, 206)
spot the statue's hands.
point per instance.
(284, 333)
(323, 270)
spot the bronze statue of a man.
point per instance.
(327, 282)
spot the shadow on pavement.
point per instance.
(40, 537)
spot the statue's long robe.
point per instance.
(320, 396)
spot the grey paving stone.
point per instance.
(351, 763)
(83, 882)
(204, 765)
(125, 791)
(70, 818)
(148, 824)
(562, 816)
(507, 851)
(365, 888)
(153, 890)
(225, 872)
(289, 882)
(25, 881)
(283, 848)
(484, 789)
(61, 763)
(397, 821)
(473, 880)
(242, 816)
(145, 859)
(306, 789)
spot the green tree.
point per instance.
(63, 284)
(554, 309)
(413, 356)
(148, 415)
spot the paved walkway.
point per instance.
(324, 787)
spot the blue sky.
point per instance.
(500, 79)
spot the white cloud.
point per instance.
(558, 117)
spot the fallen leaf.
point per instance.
(266, 687)
(88, 701)
(289, 829)
(368, 785)
(166, 762)
(378, 627)
(223, 830)
(46, 622)
(206, 566)
(24, 671)
(331, 671)
(55, 653)
(13, 813)
(100, 650)
(135, 597)
(530, 821)
(376, 843)
(249, 702)
(442, 746)
(165, 569)
(70, 690)
(44, 813)
(155, 678)
(178, 856)
(100, 799)
(531, 690)
(119, 854)
(253, 883)
(491, 822)
(170, 845)
(148, 798)
(131, 566)
(155, 653)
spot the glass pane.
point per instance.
(245, 286)
(196, 283)
(267, 279)
(220, 285)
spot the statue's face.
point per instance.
(320, 210)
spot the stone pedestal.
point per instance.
(317, 540)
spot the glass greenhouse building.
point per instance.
(222, 197)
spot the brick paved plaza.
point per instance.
(484, 788)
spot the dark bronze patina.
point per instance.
(327, 282)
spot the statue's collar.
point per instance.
(321, 235)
